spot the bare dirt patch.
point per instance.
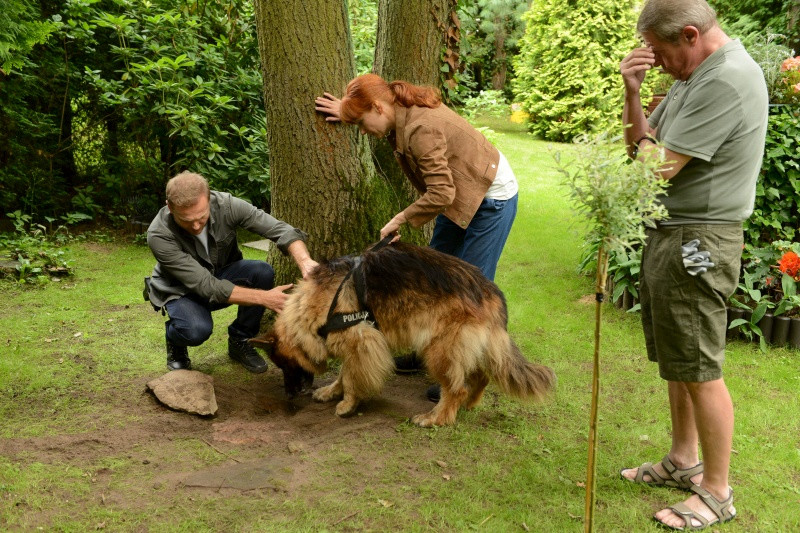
(258, 441)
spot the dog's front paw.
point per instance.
(433, 418)
(328, 393)
(346, 408)
(424, 420)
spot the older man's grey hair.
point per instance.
(666, 18)
(186, 188)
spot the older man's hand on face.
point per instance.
(635, 66)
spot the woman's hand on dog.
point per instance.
(393, 225)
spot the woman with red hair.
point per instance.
(464, 182)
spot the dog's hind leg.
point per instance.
(330, 392)
(349, 403)
(448, 359)
(444, 413)
(366, 364)
(476, 382)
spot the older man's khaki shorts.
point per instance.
(684, 317)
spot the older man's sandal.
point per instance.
(677, 478)
(722, 510)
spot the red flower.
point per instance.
(790, 264)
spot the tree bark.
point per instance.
(793, 18)
(500, 60)
(410, 39)
(409, 45)
(322, 177)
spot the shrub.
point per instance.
(568, 67)
(777, 203)
(491, 29)
(126, 94)
(770, 53)
(364, 25)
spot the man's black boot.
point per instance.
(240, 351)
(178, 357)
(407, 364)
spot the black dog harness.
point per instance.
(339, 321)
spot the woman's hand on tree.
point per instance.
(330, 105)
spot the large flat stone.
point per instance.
(186, 390)
(263, 474)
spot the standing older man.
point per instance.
(200, 268)
(711, 126)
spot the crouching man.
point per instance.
(200, 268)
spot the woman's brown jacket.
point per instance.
(448, 161)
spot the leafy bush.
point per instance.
(491, 30)
(777, 203)
(19, 33)
(364, 27)
(743, 17)
(770, 53)
(568, 67)
(31, 255)
(126, 95)
(186, 91)
(490, 102)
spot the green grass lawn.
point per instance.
(76, 353)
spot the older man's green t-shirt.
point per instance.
(719, 118)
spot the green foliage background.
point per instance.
(482, 21)
(126, 94)
(20, 31)
(777, 206)
(567, 69)
(744, 17)
(364, 27)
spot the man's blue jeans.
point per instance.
(481, 243)
(190, 322)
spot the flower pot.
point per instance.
(765, 324)
(619, 303)
(627, 299)
(733, 314)
(794, 333)
(780, 330)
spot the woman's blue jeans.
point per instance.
(480, 243)
(190, 322)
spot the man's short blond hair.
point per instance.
(666, 18)
(186, 188)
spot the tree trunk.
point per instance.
(793, 18)
(411, 37)
(322, 177)
(500, 61)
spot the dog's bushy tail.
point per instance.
(513, 373)
(366, 360)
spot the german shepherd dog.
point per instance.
(415, 298)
